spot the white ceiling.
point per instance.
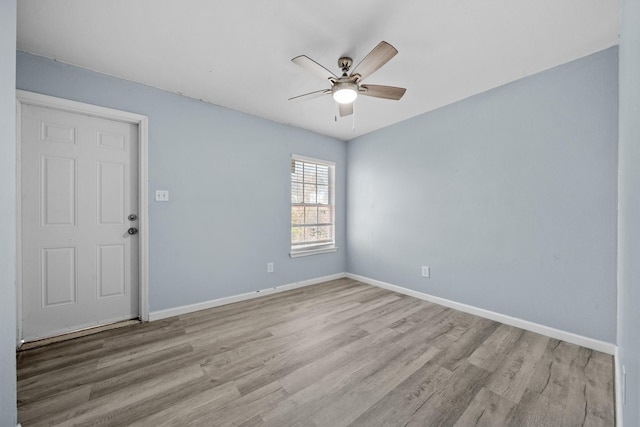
(236, 53)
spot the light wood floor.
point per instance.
(335, 354)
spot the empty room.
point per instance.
(320, 214)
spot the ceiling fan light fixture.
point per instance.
(345, 92)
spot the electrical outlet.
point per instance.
(269, 267)
(162, 195)
(426, 271)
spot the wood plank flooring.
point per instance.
(341, 353)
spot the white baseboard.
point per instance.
(593, 344)
(177, 311)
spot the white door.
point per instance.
(79, 180)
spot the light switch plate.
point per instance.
(162, 195)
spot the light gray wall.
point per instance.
(7, 213)
(629, 209)
(509, 197)
(228, 176)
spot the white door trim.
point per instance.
(39, 100)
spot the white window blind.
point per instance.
(312, 206)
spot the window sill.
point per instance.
(298, 254)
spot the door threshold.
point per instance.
(76, 334)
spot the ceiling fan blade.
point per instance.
(312, 95)
(312, 66)
(386, 92)
(346, 109)
(379, 56)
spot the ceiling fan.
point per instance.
(346, 88)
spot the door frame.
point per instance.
(46, 101)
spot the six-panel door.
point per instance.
(78, 187)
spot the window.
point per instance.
(312, 206)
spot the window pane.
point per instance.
(297, 235)
(310, 173)
(323, 194)
(297, 214)
(311, 215)
(324, 215)
(324, 233)
(310, 193)
(310, 234)
(323, 174)
(296, 192)
(296, 171)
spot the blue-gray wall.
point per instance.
(228, 175)
(7, 213)
(629, 210)
(509, 197)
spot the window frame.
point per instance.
(310, 248)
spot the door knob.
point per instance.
(132, 231)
